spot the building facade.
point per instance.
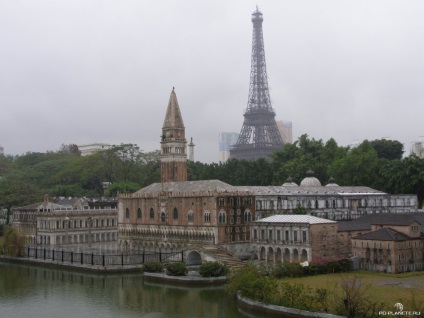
(89, 149)
(331, 201)
(74, 221)
(391, 248)
(293, 238)
(178, 215)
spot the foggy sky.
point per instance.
(78, 71)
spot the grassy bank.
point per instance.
(350, 294)
(380, 287)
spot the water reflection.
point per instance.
(27, 291)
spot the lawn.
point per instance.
(380, 287)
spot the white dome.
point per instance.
(289, 183)
(310, 180)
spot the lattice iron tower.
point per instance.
(259, 136)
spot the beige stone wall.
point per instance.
(324, 241)
(390, 256)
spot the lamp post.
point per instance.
(66, 229)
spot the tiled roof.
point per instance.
(42, 205)
(383, 234)
(294, 218)
(192, 186)
(310, 190)
(365, 222)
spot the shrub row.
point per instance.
(296, 270)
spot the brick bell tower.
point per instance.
(173, 144)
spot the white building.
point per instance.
(293, 238)
(89, 149)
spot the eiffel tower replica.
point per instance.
(259, 136)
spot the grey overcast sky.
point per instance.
(80, 71)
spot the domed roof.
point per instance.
(289, 183)
(310, 180)
(332, 182)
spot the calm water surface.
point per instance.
(36, 292)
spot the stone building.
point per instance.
(331, 201)
(380, 250)
(293, 238)
(74, 221)
(392, 248)
(177, 214)
(66, 226)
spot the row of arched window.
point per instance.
(235, 201)
(222, 216)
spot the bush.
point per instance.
(213, 269)
(176, 269)
(288, 270)
(12, 243)
(153, 267)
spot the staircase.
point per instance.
(222, 255)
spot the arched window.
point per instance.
(207, 216)
(162, 217)
(190, 216)
(222, 217)
(139, 213)
(175, 214)
(152, 213)
(247, 216)
(127, 213)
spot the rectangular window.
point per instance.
(278, 235)
(262, 234)
(295, 236)
(287, 235)
(269, 234)
(304, 236)
(255, 234)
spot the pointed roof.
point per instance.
(173, 118)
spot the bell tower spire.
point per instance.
(173, 144)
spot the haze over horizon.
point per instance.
(102, 71)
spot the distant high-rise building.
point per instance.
(286, 132)
(259, 136)
(417, 148)
(226, 139)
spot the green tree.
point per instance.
(360, 167)
(16, 193)
(388, 149)
(121, 187)
(404, 176)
